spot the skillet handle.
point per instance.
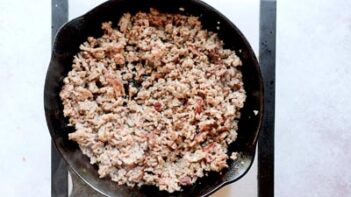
(240, 166)
(80, 188)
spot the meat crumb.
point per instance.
(255, 112)
(234, 156)
(157, 106)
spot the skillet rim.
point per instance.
(252, 152)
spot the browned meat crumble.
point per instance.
(154, 101)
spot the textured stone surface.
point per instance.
(313, 102)
(24, 56)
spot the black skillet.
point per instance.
(75, 32)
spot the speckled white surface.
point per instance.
(313, 119)
(24, 54)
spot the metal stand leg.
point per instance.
(267, 62)
(59, 174)
(59, 179)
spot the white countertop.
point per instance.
(313, 105)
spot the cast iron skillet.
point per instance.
(75, 32)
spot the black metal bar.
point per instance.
(267, 62)
(59, 173)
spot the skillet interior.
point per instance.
(66, 45)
